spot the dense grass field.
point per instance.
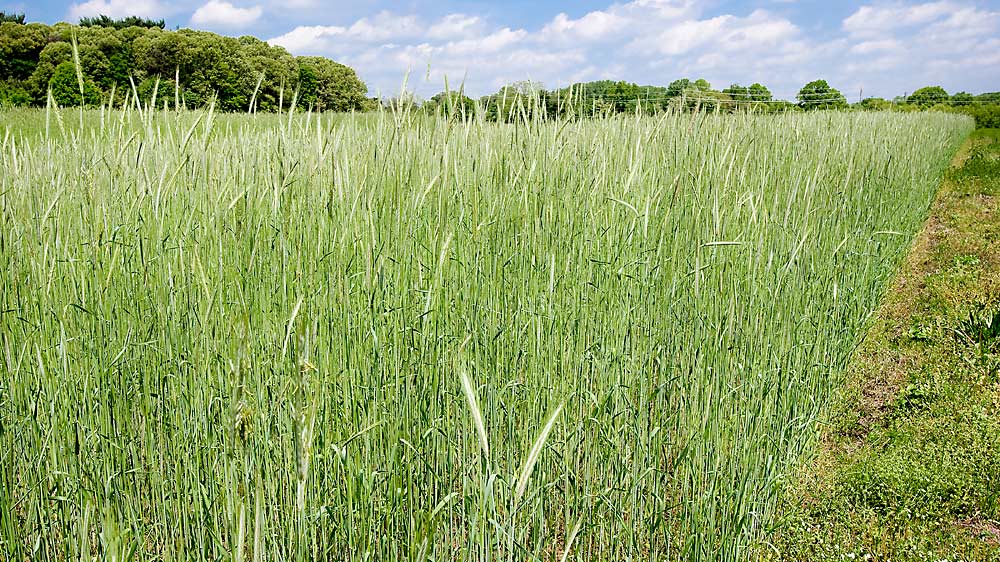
(382, 337)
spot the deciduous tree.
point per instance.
(820, 95)
(928, 96)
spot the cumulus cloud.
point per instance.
(309, 39)
(931, 42)
(385, 26)
(964, 23)
(118, 9)
(459, 45)
(593, 26)
(758, 31)
(219, 13)
(874, 20)
(321, 39)
(877, 46)
(456, 26)
(657, 41)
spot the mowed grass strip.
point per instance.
(910, 469)
(390, 337)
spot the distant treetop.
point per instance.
(818, 94)
(754, 93)
(130, 21)
(12, 18)
(928, 96)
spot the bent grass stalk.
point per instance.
(533, 454)
(477, 416)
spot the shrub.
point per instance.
(66, 87)
(13, 95)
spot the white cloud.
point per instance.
(456, 26)
(866, 47)
(868, 20)
(219, 13)
(963, 23)
(320, 39)
(886, 48)
(498, 40)
(308, 39)
(460, 44)
(914, 45)
(686, 36)
(385, 26)
(658, 10)
(760, 31)
(591, 27)
(118, 9)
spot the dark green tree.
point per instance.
(963, 98)
(162, 53)
(781, 106)
(114, 53)
(455, 105)
(759, 92)
(130, 21)
(987, 115)
(747, 97)
(696, 99)
(65, 87)
(875, 104)
(928, 96)
(164, 88)
(12, 18)
(13, 95)
(275, 68)
(20, 46)
(677, 87)
(308, 85)
(214, 69)
(624, 97)
(820, 95)
(601, 97)
(404, 102)
(517, 101)
(696, 95)
(330, 86)
(737, 92)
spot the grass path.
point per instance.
(909, 467)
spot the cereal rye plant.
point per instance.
(236, 337)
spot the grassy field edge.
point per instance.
(909, 466)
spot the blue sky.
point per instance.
(869, 48)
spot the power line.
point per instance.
(569, 98)
(685, 97)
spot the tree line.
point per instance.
(134, 57)
(139, 58)
(525, 99)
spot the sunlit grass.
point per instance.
(384, 337)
